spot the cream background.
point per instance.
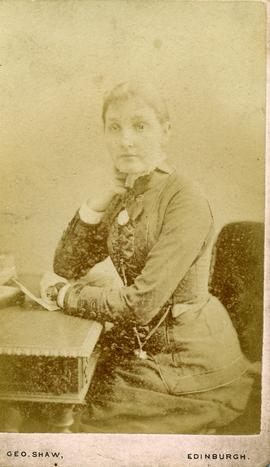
(169, 451)
(58, 58)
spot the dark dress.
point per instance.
(189, 376)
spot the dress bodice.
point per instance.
(134, 228)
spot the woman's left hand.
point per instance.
(50, 285)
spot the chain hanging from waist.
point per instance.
(139, 352)
(176, 310)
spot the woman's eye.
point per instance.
(140, 126)
(114, 127)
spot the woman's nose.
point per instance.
(127, 139)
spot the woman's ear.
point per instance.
(166, 130)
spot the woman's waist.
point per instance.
(191, 305)
(204, 324)
(191, 290)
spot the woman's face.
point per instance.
(134, 135)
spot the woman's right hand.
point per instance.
(100, 201)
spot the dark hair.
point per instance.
(148, 93)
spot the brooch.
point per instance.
(123, 217)
(141, 354)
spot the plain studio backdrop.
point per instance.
(57, 60)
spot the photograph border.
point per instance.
(78, 450)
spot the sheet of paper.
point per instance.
(38, 300)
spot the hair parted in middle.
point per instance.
(148, 93)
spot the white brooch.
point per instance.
(123, 217)
(141, 354)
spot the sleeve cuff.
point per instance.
(83, 301)
(88, 215)
(61, 295)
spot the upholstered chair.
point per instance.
(237, 280)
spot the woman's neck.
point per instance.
(132, 177)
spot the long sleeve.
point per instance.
(186, 224)
(82, 246)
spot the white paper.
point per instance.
(40, 301)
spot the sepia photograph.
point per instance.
(133, 233)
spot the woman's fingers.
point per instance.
(118, 181)
(52, 293)
(101, 199)
(119, 175)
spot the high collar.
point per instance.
(145, 182)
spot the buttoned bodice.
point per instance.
(129, 244)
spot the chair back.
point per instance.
(237, 280)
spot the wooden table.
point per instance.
(45, 357)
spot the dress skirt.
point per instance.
(194, 378)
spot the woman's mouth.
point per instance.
(128, 156)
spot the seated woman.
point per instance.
(171, 363)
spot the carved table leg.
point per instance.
(62, 419)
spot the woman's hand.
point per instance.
(50, 285)
(100, 201)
